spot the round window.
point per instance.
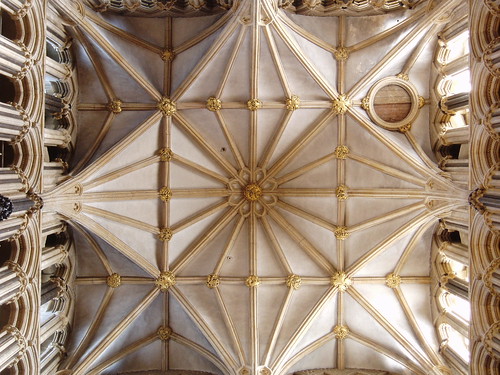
(392, 103)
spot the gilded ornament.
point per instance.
(167, 55)
(165, 154)
(254, 104)
(340, 332)
(365, 103)
(252, 281)
(403, 76)
(165, 194)
(341, 104)
(292, 103)
(393, 280)
(167, 107)
(341, 281)
(115, 106)
(341, 53)
(244, 371)
(341, 152)
(165, 234)
(421, 101)
(165, 280)
(114, 280)
(341, 233)
(265, 371)
(252, 192)
(293, 281)
(341, 192)
(164, 333)
(405, 128)
(213, 281)
(214, 104)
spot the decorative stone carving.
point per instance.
(341, 104)
(341, 280)
(252, 192)
(341, 192)
(114, 280)
(166, 154)
(167, 55)
(164, 333)
(341, 233)
(254, 104)
(252, 281)
(213, 281)
(214, 104)
(292, 103)
(294, 281)
(165, 194)
(393, 280)
(165, 234)
(167, 107)
(341, 332)
(115, 106)
(341, 152)
(341, 53)
(165, 280)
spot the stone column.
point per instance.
(57, 138)
(12, 346)
(53, 255)
(15, 58)
(13, 282)
(55, 323)
(454, 103)
(13, 120)
(455, 251)
(10, 180)
(459, 135)
(51, 359)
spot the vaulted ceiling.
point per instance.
(227, 171)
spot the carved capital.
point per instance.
(21, 342)
(21, 276)
(474, 199)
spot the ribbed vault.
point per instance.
(235, 205)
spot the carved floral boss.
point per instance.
(255, 197)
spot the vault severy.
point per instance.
(294, 225)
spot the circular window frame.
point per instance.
(414, 99)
